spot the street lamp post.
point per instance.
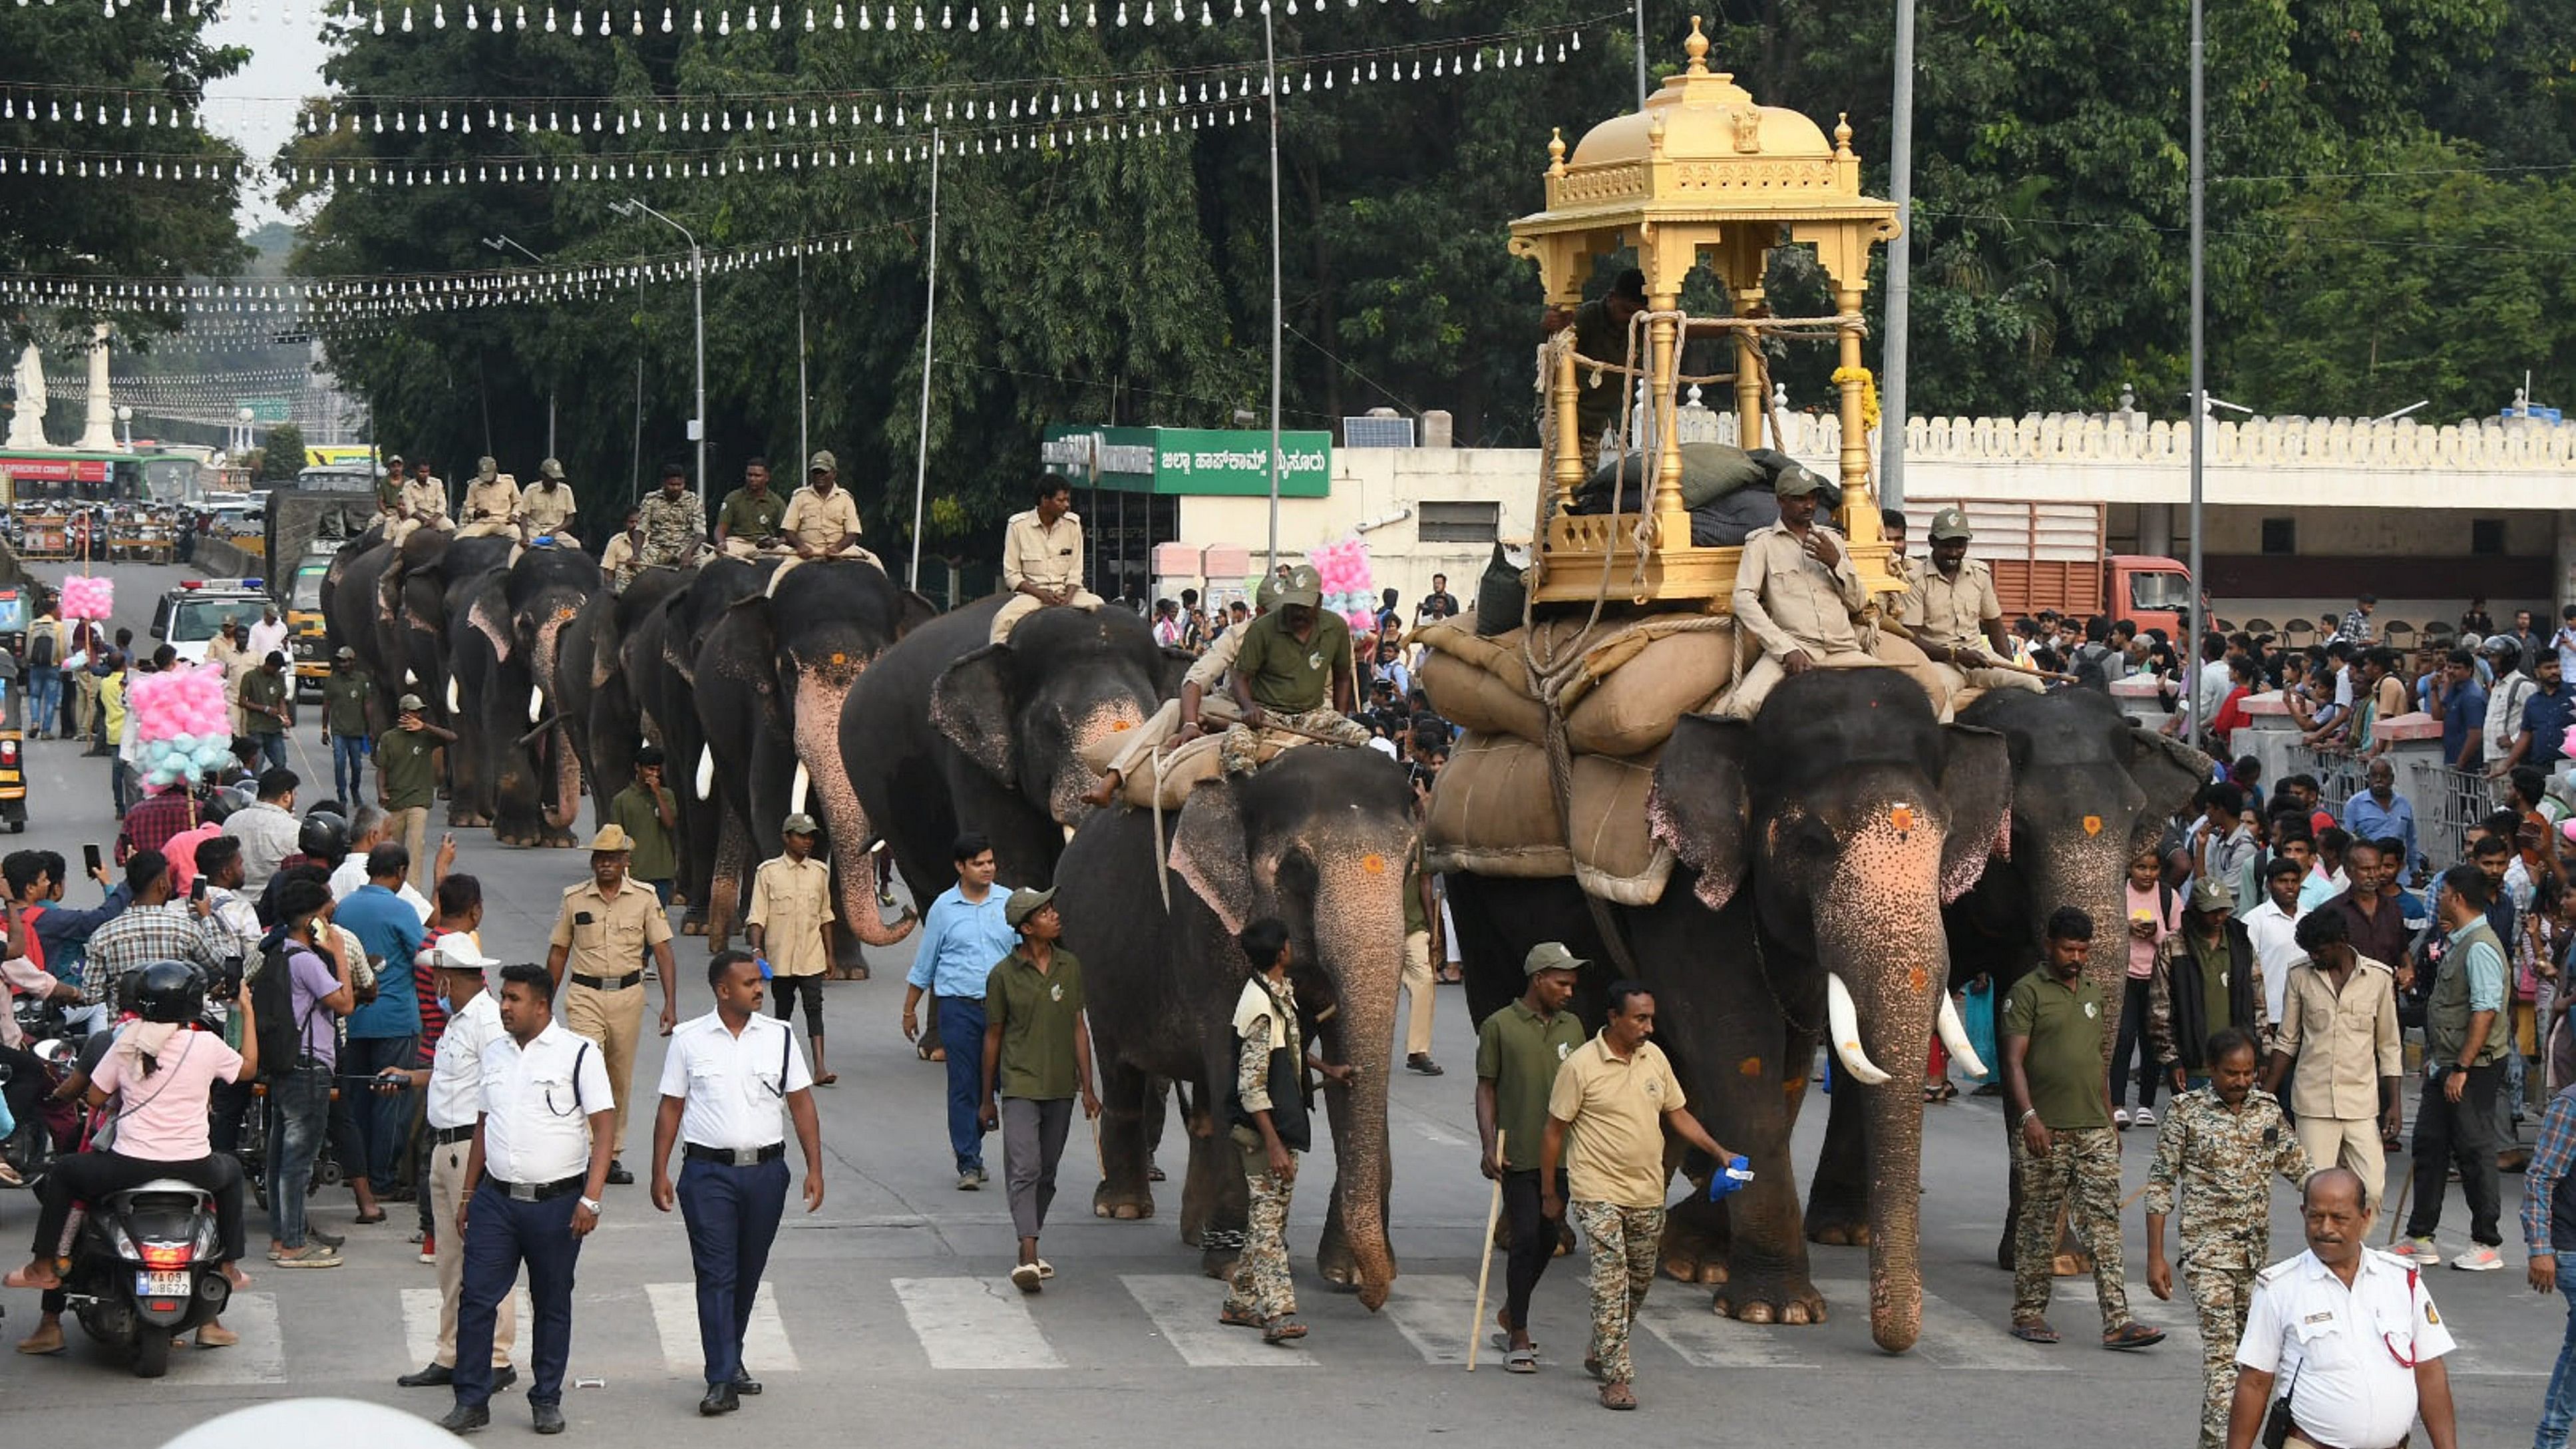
(505, 246)
(125, 419)
(698, 286)
(1270, 60)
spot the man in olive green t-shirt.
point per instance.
(407, 780)
(649, 812)
(347, 691)
(2064, 1153)
(1293, 672)
(1518, 1052)
(751, 514)
(1037, 1052)
(266, 714)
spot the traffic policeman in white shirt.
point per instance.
(532, 1183)
(2350, 1333)
(454, 1084)
(723, 1081)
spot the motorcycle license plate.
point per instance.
(153, 1283)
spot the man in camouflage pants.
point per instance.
(2065, 1155)
(1269, 1113)
(673, 521)
(2222, 1143)
(1294, 672)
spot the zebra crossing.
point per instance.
(980, 1323)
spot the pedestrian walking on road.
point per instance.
(962, 935)
(723, 1082)
(407, 780)
(533, 1179)
(1037, 1053)
(2220, 1144)
(347, 693)
(1518, 1052)
(1267, 1107)
(2348, 1336)
(2464, 1047)
(2065, 1152)
(2339, 1046)
(791, 926)
(268, 708)
(606, 925)
(454, 1083)
(1611, 1104)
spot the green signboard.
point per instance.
(1195, 461)
(265, 409)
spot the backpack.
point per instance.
(272, 1004)
(40, 648)
(2090, 672)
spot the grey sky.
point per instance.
(256, 107)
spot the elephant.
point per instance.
(1318, 838)
(659, 659)
(1815, 845)
(2089, 790)
(593, 695)
(948, 733)
(434, 582)
(510, 635)
(772, 676)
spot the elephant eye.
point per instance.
(1297, 875)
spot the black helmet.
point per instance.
(168, 991)
(324, 838)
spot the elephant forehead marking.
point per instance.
(2092, 824)
(1917, 978)
(1373, 863)
(1901, 815)
(1749, 1067)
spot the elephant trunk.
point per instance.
(2089, 872)
(1366, 964)
(544, 656)
(816, 711)
(1879, 935)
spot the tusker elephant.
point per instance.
(1317, 838)
(434, 583)
(772, 675)
(2089, 790)
(948, 733)
(594, 695)
(1816, 844)
(510, 635)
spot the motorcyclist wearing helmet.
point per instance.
(162, 1071)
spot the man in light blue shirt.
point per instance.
(963, 937)
(384, 1034)
(2379, 813)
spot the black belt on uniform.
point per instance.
(609, 983)
(736, 1156)
(441, 1136)
(536, 1191)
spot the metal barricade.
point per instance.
(2338, 775)
(2448, 804)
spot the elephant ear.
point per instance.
(1699, 806)
(970, 704)
(2167, 771)
(1211, 854)
(1976, 783)
(1171, 672)
(918, 609)
(490, 616)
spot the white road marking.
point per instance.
(974, 1323)
(420, 1324)
(1184, 1307)
(765, 1348)
(1437, 1312)
(2176, 1318)
(1952, 1337)
(1707, 1339)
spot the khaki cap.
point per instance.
(550, 468)
(394, 458)
(1951, 523)
(1023, 904)
(823, 462)
(346, 653)
(1305, 586)
(1795, 482)
(800, 823)
(1551, 956)
(612, 838)
(409, 703)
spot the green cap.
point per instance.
(1951, 523)
(1551, 956)
(2212, 895)
(1795, 482)
(1023, 904)
(1305, 586)
(823, 462)
(800, 823)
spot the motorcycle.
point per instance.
(143, 1270)
(30, 1149)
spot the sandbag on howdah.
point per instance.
(1494, 813)
(1637, 678)
(1710, 471)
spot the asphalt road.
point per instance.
(888, 1309)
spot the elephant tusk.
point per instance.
(706, 773)
(454, 706)
(536, 704)
(1954, 1035)
(797, 789)
(410, 678)
(1843, 1021)
(1068, 835)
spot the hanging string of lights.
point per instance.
(407, 16)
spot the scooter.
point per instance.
(144, 1272)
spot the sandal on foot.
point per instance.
(1521, 1360)
(1283, 1329)
(1618, 1396)
(2133, 1335)
(1502, 1342)
(1026, 1277)
(1230, 1316)
(368, 1220)
(2035, 1331)
(1045, 1268)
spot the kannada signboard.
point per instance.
(1196, 461)
(265, 409)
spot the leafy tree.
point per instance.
(281, 453)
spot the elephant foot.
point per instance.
(1783, 1298)
(1695, 1249)
(1218, 1261)
(694, 923)
(1124, 1205)
(1335, 1265)
(560, 838)
(1837, 1232)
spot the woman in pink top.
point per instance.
(161, 1072)
(2154, 913)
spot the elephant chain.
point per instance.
(1762, 970)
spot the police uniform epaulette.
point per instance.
(2276, 1272)
(577, 887)
(2391, 1260)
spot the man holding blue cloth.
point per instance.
(963, 937)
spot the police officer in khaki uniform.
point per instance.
(822, 520)
(490, 500)
(607, 925)
(1954, 616)
(1796, 593)
(790, 924)
(546, 508)
(622, 558)
(423, 503)
(1042, 558)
